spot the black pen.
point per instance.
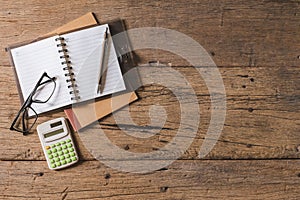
(101, 79)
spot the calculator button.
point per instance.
(52, 161)
(74, 158)
(54, 150)
(58, 148)
(57, 144)
(49, 152)
(58, 164)
(63, 142)
(64, 146)
(66, 151)
(55, 155)
(60, 153)
(71, 149)
(56, 159)
(63, 162)
(69, 145)
(67, 156)
(50, 156)
(47, 147)
(61, 157)
(53, 165)
(53, 145)
(68, 140)
(72, 154)
(68, 160)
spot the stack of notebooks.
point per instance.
(71, 54)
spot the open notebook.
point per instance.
(77, 52)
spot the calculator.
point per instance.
(57, 143)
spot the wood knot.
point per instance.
(126, 147)
(40, 174)
(164, 189)
(107, 176)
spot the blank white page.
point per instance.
(30, 62)
(85, 50)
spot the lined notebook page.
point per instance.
(30, 62)
(85, 50)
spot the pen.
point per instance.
(101, 79)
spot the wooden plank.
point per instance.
(240, 81)
(262, 118)
(243, 179)
(235, 33)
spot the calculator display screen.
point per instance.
(53, 133)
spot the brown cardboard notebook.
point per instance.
(83, 115)
(81, 22)
(87, 113)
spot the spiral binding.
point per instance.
(70, 79)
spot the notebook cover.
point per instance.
(81, 22)
(82, 116)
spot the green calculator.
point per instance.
(57, 143)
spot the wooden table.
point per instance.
(256, 46)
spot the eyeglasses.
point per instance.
(22, 123)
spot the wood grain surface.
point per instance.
(273, 179)
(255, 45)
